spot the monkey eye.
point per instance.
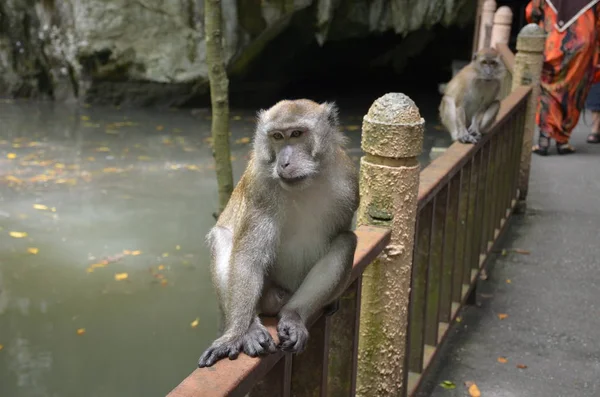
(278, 136)
(296, 133)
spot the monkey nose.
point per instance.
(285, 165)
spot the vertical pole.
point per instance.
(392, 138)
(477, 27)
(487, 20)
(502, 25)
(527, 71)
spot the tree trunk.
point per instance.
(219, 95)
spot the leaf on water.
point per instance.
(521, 366)
(18, 234)
(135, 253)
(242, 140)
(474, 390)
(177, 247)
(164, 282)
(33, 250)
(81, 331)
(91, 159)
(59, 165)
(192, 167)
(448, 385)
(40, 207)
(143, 158)
(502, 316)
(522, 251)
(126, 252)
(165, 254)
(237, 118)
(508, 281)
(504, 252)
(502, 360)
(85, 118)
(103, 149)
(160, 128)
(112, 170)
(10, 178)
(1, 347)
(161, 267)
(11, 156)
(121, 276)
(458, 319)
(195, 323)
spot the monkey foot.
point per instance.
(255, 342)
(292, 332)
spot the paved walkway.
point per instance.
(551, 296)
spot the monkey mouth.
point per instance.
(293, 180)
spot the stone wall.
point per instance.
(148, 51)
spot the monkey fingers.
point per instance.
(293, 335)
(469, 138)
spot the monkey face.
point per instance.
(488, 64)
(294, 139)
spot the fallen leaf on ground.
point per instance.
(243, 140)
(18, 234)
(195, 323)
(40, 207)
(81, 331)
(11, 178)
(502, 360)
(136, 253)
(502, 316)
(474, 390)
(521, 366)
(33, 250)
(448, 385)
(522, 251)
(11, 156)
(93, 266)
(121, 276)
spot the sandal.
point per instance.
(594, 137)
(543, 145)
(564, 148)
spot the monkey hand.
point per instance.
(292, 332)
(469, 138)
(255, 342)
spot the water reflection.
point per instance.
(99, 296)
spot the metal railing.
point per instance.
(326, 368)
(465, 198)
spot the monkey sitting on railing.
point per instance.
(283, 245)
(470, 103)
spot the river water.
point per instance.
(104, 280)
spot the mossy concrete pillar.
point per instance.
(528, 71)
(392, 137)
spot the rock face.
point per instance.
(149, 51)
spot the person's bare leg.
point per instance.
(594, 137)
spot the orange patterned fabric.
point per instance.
(570, 60)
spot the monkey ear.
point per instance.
(331, 112)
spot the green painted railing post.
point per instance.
(392, 138)
(528, 71)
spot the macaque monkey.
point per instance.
(470, 103)
(283, 245)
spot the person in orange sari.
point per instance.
(570, 59)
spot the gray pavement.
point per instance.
(552, 296)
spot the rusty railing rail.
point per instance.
(311, 373)
(465, 198)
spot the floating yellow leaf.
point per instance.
(33, 250)
(143, 158)
(85, 118)
(502, 360)
(121, 276)
(165, 254)
(243, 140)
(126, 252)
(195, 323)
(164, 282)
(11, 156)
(59, 166)
(112, 170)
(502, 316)
(14, 179)
(192, 167)
(81, 331)
(40, 207)
(352, 127)
(160, 128)
(1, 347)
(521, 366)
(91, 159)
(458, 319)
(177, 247)
(161, 267)
(18, 234)
(103, 149)
(135, 253)
(508, 281)
(53, 209)
(237, 118)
